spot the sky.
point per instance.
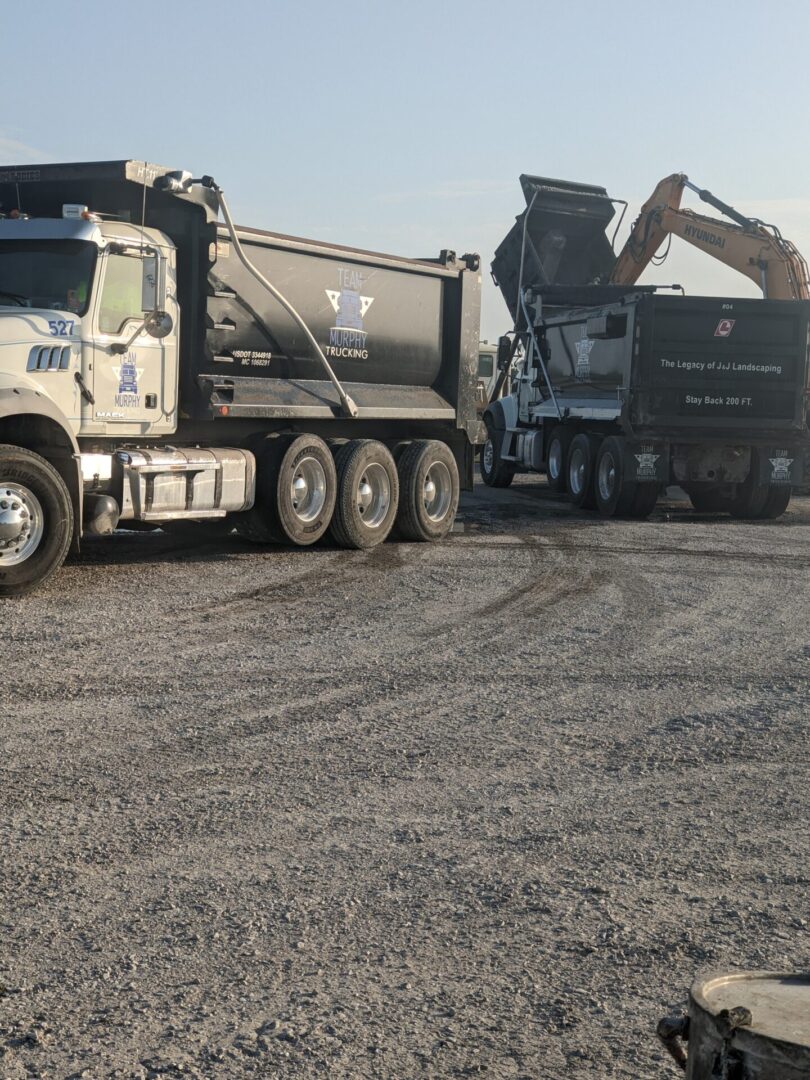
(403, 127)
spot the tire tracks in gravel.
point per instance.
(655, 550)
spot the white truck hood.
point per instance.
(36, 326)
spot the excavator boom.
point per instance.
(754, 249)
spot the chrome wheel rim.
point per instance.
(22, 524)
(489, 456)
(576, 471)
(606, 477)
(437, 492)
(308, 489)
(554, 466)
(373, 495)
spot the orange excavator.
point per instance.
(749, 245)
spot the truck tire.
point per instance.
(296, 488)
(36, 520)
(644, 501)
(494, 471)
(615, 494)
(776, 503)
(556, 456)
(579, 470)
(367, 494)
(428, 491)
(749, 500)
(707, 499)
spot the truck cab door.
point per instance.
(134, 388)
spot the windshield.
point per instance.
(46, 273)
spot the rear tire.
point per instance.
(428, 491)
(615, 495)
(296, 488)
(556, 457)
(367, 494)
(776, 503)
(36, 522)
(494, 471)
(749, 501)
(644, 501)
(579, 470)
(707, 499)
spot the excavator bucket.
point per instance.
(565, 243)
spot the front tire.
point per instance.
(368, 494)
(428, 491)
(36, 520)
(494, 471)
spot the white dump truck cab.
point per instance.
(89, 384)
(89, 321)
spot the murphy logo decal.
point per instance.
(646, 463)
(583, 347)
(128, 374)
(347, 338)
(780, 468)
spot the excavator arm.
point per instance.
(749, 246)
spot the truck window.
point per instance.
(485, 366)
(121, 293)
(52, 274)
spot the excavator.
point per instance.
(749, 245)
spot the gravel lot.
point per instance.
(479, 808)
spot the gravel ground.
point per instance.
(478, 808)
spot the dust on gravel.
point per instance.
(431, 811)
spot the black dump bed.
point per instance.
(563, 227)
(400, 334)
(728, 364)
(689, 366)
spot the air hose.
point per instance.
(348, 406)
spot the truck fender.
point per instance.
(495, 415)
(31, 420)
(502, 414)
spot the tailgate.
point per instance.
(729, 365)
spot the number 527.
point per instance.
(61, 327)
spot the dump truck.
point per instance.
(622, 389)
(160, 365)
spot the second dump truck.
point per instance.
(160, 365)
(621, 389)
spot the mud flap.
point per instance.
(647, 462)
(780, 466)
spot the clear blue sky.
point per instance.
(404, 126)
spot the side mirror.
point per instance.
(149, 286)
(158, 324)
(504, 353)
